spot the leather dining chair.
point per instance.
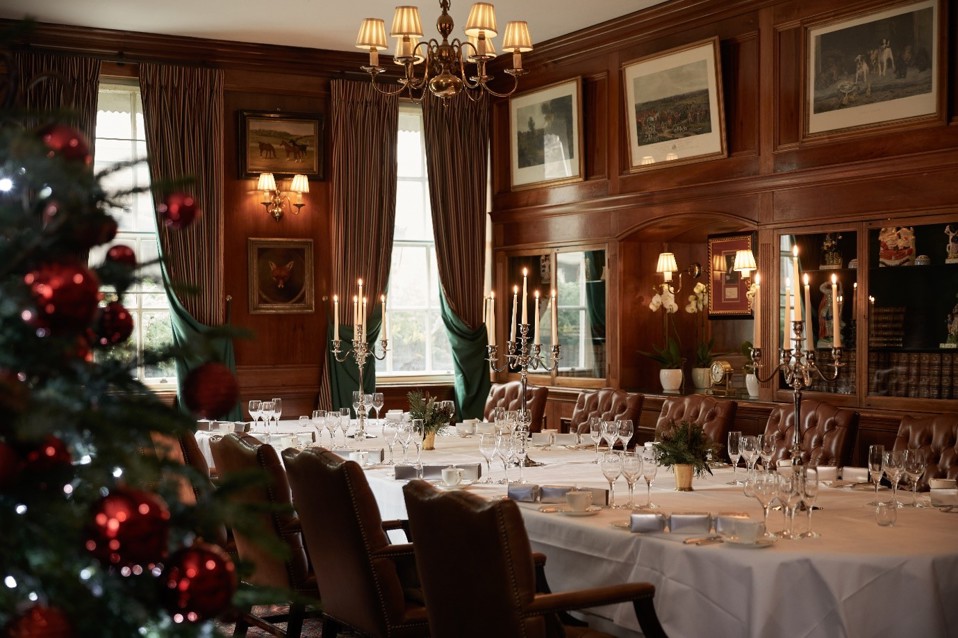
(508, 395)
(937, 436)
(607, 404)
(827, 433)
(366, 583)
(714, 415)
(242, 453)
(490, 590)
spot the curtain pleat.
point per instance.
(457, 144)
(58, 84)
(364, 130)
(183, 119)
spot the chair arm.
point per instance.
(400, 550)
(400, 524)
(640, 594)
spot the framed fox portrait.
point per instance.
(281, 275)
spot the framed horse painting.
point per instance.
(284, 144)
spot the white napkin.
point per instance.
(855, 474)
(944, 498)
(827, 473)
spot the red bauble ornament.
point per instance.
(178, 210)
(92, 231)
(114, 325)
(198, 583)
(67, 142)
(67, 296)
(49, 455)
(120, 254)
(9, 465)
(129, 528)
(210, 390)
(39, 622)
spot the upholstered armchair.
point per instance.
(242, 453)
(937, 436)
(365, 583)
(608, 405)
(490, 589)
(507, 395)
(714, 415)
(827, 432)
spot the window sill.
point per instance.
(398, 381)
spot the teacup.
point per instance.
(578, 500)
(747, 531)
(452, 476)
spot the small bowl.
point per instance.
(941, 483)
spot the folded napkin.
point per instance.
(724, 522)
(647, 522)
(827, 473)
(690, 523)
(470, 471)
(568, 438)
(553, 493)
(855, 474)
(523, 492)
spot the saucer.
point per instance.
(758, 543)
(592, 510)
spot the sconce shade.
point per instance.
(372, 35)
(406, 22)
(744, 261)
(266, 182)
(300, 184)
(517, 37)
(666, 263)
(482, 19)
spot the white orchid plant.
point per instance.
(698, 303)
(670, 355)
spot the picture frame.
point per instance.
(281, 276)
(674, 109)
(284, 144)
(848, 83)
(545, 136)
(726, 287)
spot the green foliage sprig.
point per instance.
(685, 444)
(434, 414)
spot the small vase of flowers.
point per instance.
(685, 448)
(434, 415)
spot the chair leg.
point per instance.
(239, 631)
(294, 625)
(648, 619)
(330, 627)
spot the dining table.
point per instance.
(856, 578)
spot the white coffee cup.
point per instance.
(578, 500)
(747, 530)
(452, 476)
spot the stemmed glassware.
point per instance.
(767, 451)
(332, 421)
(764, 488)
(625, 431)
(504, 453)
(650, 466)
(368, 403)
(748, 445)
(357, 395)
(876, 457)
(610, 433)
(277, 411)
(488, 444)
(631, 470)
(344, 423)
(390, 435)
(266, 411)
(734, 438)
(318, 422)
(378, 402)
(809, 495)
(404, 436)
(520, 441)
(914, 467)
(611, 466)
(254, 411)
(790, 494)
(595, 433)
(893, 464)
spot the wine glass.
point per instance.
(277, 411)
(595, 433)
(357, 397)
(378, 402)
(733, 453)
(876, 456)
(893, 464)
(748, 446)
(809, 495)
(790, 494)
(610, 433)
(488, 442)
(504, 453)
(318, 422)
(510, 420)
(344, 423)
(404, 436)
(498, 417)
(332, 420)
(611, 466)
(625, 431)
(254, 407)
(390, 434)
(914, 466)
(520, 441)
(767, 451)
(266, 411)
(764, 489)
(631, 470)
(650, 466)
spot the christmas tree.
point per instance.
(95, 539)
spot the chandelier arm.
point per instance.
(515, 85)
(386, 92)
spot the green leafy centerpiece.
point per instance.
(686, 448)
(434, 415)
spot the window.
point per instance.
(418, 344)
(120, 138)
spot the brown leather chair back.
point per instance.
(507, 395)
(714, 415)
(937, 436)
(362, 579)
(608, 405)
(234, 453)
(827, 432)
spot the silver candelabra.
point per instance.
(520, 354)
(800, 369)
(360, 352)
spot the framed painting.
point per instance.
(545, 134)
(872, 69)
(280, 275)
(284, 144)
(727, 287)
(673, 106)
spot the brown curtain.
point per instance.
(67, 85)
(457, 144)
(364, 130)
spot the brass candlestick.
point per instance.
(520, 354)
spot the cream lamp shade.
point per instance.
(266, 182)
(666, 265)
(482, 20)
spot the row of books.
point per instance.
(923, 375)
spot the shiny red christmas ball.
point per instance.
(178, 210)
(49, 455)
(39, 621)
(66, 296)
(198, 583)
(9, 465)
(114, 325)
(210, 390)
(129, 528)
(121, 254)
(67, 142)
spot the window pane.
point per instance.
(441, 349)
(407, 341)
(158, 333)
(407, 285)
(410, 222)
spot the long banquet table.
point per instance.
(857, 579)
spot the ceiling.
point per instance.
(317, 24)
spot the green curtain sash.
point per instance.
(469, 362)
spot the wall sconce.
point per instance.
(744, 263)
(276, 199)
(666, 265)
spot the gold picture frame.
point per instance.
(281, 276)
(545, 136)
(284, 144)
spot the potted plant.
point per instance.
(751, 379)
(698, 303)
(686, 449)
(669, 356)
(434, 415)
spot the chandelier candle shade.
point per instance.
(444, 62)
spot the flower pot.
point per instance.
(671, 379)
(683, 478)
(701, 378)
(429, 441)
(751, 384)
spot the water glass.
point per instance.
(254, 411)
(734, 437)
(886, 514)
(809, 496)
(595, 433)
(631, 470)
(650, 466)
(611, 466)
(876, 456)
(344, 422)
(488, 444)
(893, 464)
(914, 467)
(390, 435)
(625, 431)
(277, 410)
